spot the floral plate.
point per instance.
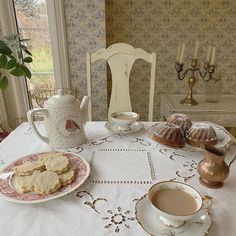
(147, 217)
(224, 138)
(9, 192)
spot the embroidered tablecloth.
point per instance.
(123, 167)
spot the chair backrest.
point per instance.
(120, 58)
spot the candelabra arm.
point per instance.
(202, 74)
(208, 70)
(181, 77)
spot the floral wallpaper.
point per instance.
(160, 26)
(156, 26)
(85, 24)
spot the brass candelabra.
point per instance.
(206, 74)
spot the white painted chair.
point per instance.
(120, 58)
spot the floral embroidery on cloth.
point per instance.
(115, 218)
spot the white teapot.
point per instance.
(64, 120)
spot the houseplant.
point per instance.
(14, 56)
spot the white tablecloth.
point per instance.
(123, 167)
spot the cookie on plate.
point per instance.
(67, 177)
(25, 184)
(28, 167)
(44, 156)
(46, 182)
(58, 164)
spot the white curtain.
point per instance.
(16, 98)
(3, 111)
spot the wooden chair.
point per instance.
(120, 58)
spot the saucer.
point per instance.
(114, 128)
(147, 217)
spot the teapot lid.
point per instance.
(61, 98)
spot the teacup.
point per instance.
(124, 119)
(175, 202)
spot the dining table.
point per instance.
(123, 167)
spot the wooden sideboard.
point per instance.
(222, 112)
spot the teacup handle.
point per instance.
(206, 202)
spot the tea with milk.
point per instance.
(174, 202)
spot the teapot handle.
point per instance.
(30, 116)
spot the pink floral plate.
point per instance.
(9, 192)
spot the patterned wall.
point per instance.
(85, 23)
(157, 26)
(160, 26)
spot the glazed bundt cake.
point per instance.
(169, 134)
(181, 120)
(200, 134)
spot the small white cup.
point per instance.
(124, 119)
(177, 221)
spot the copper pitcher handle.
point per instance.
(232, 161)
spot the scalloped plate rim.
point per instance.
(4, 197)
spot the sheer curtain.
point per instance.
(3, 111)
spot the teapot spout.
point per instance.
(84, 108)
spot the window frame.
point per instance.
(19, 104)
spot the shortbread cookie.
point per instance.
(67, 177)
(25, 183)
(28, 167)
(58, 164)
(46, 182)
(44, 156)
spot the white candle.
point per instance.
(196, 50)
(213, 56)
(182, 54)
(178, 54)
(209, 52)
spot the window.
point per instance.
(32, 22)
(16, 98)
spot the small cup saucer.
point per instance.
(114, 128)
(199, 225)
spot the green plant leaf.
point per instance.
(24, 40)
(3, 83)
(4, 49)
(17, 72)
(11, 56)
(28, 52)
(3, 61)
(11, 63)
(18, 65)
(28, 59)
(26, 70)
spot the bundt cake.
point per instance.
(181, 120)
(169, 134)
(200, 134)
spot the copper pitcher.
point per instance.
(213, 168)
